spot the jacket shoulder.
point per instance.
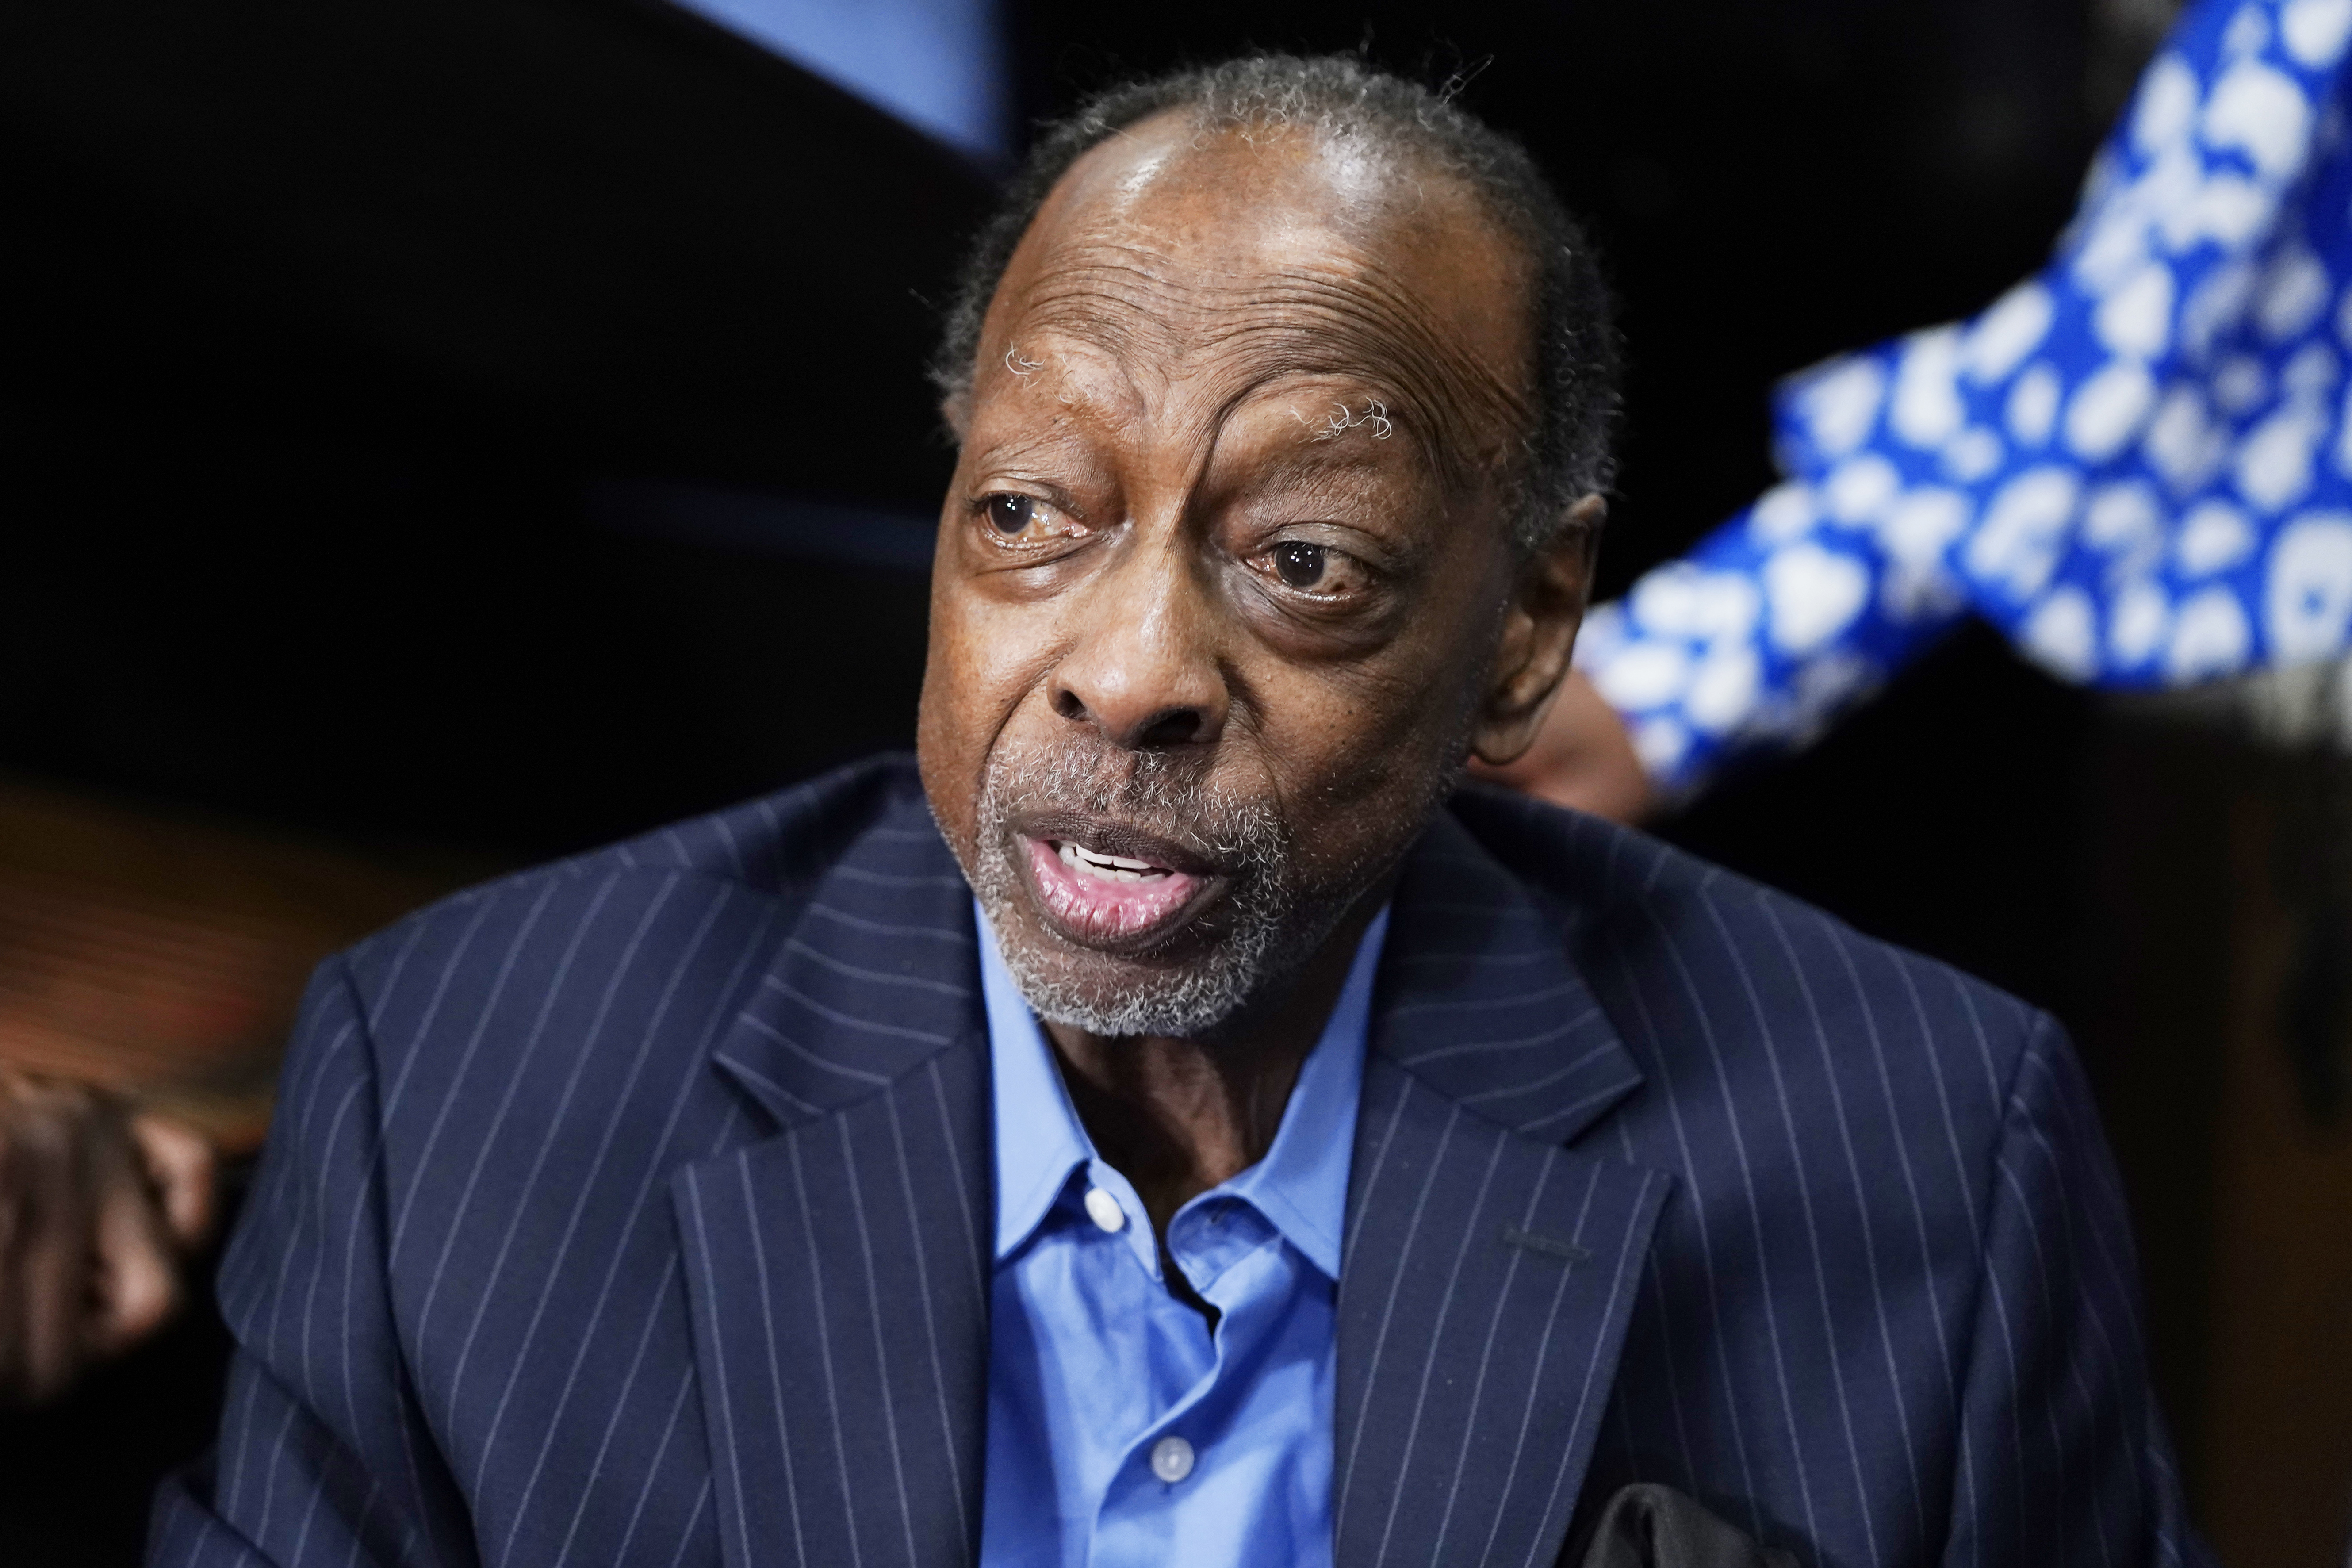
(768, 850)
(689, 911)
(551, 1032)
(1689, 955)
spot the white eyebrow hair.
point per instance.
(1342, 419)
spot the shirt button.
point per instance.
(1172, 1460)
(1104, 1210)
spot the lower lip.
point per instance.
(1092, 910)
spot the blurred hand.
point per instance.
(1582, 758)
(98, 1206)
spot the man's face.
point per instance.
(1223, 571)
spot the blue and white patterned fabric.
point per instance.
(2137, 464)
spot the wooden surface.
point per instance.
(2278, 1430)
(162, 955)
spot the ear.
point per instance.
(1547, 600)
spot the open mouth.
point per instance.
(1109, 886)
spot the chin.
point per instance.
(1192, 1004)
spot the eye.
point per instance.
(1301, 566)
(1320, 570)
(1020, 522)
(1011, 514)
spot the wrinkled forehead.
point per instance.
(1245, 253)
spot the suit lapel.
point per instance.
(838, 1266)
(1488, 1269)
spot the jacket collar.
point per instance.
(1490, 1264)
(837, 1268)
(1480, 1001)
(878, 976)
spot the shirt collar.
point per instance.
(1038, 1134)
(1301, 1185)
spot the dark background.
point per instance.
(324, 330)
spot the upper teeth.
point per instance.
(1109, 867)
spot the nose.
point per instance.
(1142, 667)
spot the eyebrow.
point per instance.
(1073, 390)
(1372, 417)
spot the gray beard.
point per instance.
(1271, 920)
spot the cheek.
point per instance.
(980, 665)
(1355, 758)
(950, 753)
(1359, 750)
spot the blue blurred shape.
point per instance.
(939, 65)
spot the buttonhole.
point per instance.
(1567, 1251)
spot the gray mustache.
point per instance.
(1167, 795)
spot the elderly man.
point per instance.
(1167, 1123)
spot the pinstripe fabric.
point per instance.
(1890, 1313)
(1474, 1370)
(635, 1210)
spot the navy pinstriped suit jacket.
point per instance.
(635, 1211)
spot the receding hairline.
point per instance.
(1402, 168)
(1432, 352)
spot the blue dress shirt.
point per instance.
(1121, 1430)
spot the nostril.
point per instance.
(1172, 728)
(1067, 703)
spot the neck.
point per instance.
(1177, 1117)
